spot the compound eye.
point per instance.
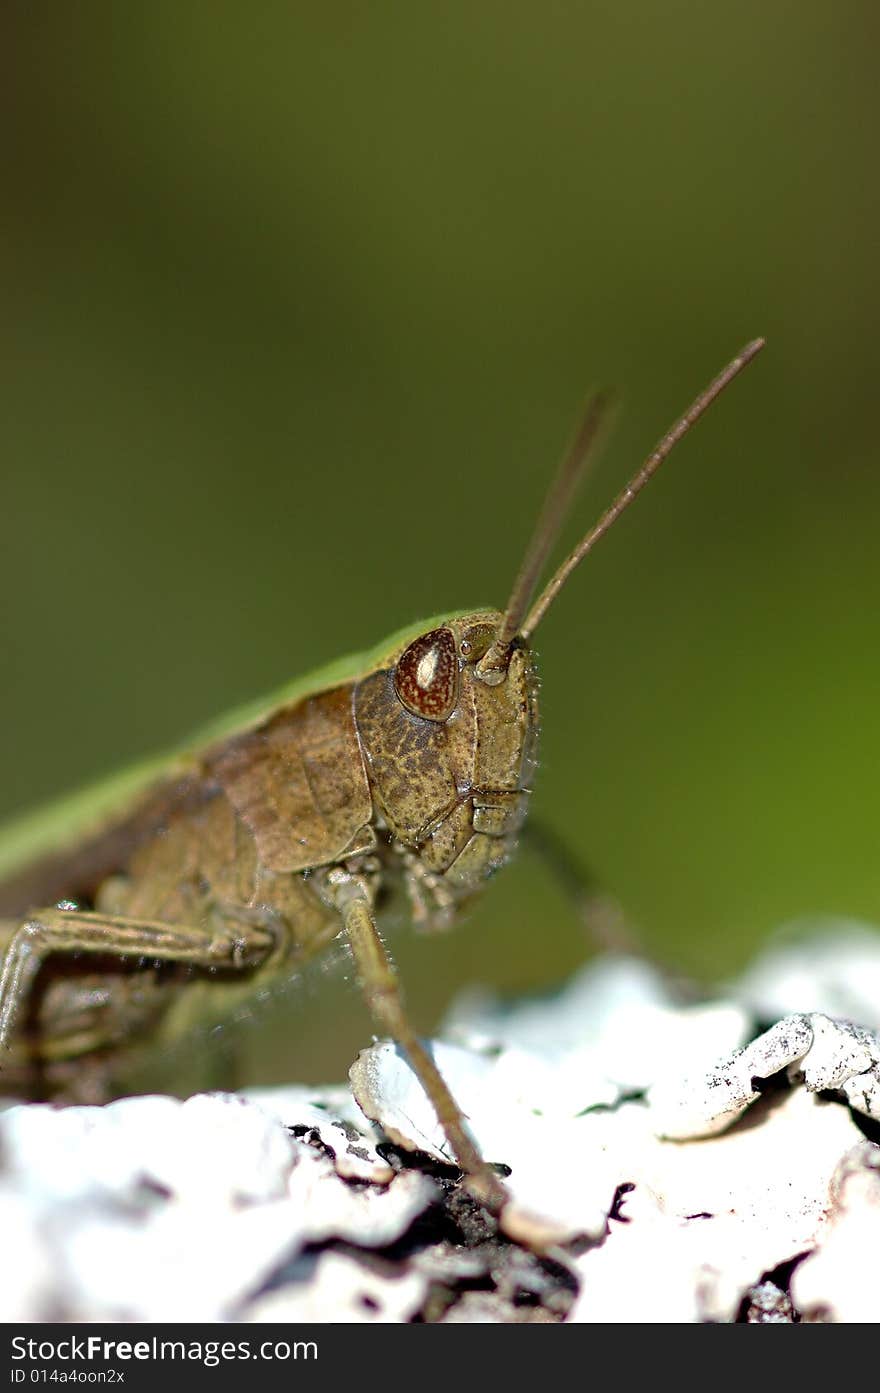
(426, 677)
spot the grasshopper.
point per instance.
(161, 896)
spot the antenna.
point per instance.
(637, 483)
(493, 664)
(581, 452)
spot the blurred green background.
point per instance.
(300, 305)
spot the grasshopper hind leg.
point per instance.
(28, 946)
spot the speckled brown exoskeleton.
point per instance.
(166, 893)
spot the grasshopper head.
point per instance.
(451, 756)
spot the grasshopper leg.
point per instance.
(77, 931)
(384, 997)
(600, 913)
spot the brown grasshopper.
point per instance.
(152, 900)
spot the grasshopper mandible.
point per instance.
(157, 895)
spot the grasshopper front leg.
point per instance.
(76, 931)
(382, 991)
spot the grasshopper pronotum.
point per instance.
(126, 910)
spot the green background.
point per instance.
(299, 308)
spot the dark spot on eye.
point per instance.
(476, 640)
